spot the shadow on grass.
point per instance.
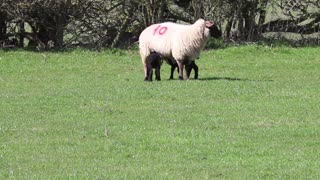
(229, 79)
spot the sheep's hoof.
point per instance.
(180, 78)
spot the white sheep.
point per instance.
(179, 43)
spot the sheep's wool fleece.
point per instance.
(173, 40)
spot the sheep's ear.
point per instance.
(209, 24)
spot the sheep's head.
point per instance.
(214, 30)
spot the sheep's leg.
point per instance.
(188, 70)
(158, 73)
(145, 68)
(180, 68)
(196, 69)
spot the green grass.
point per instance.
(254, 113)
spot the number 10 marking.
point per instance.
(160, 30)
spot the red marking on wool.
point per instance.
(156, 29)
(160, 30)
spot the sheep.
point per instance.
(179, 43)
(154, 61)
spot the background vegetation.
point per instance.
(117, 23)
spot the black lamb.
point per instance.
(154, 61)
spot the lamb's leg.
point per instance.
(158, 73)
(173, 67)
(149, 78)
(149, 73)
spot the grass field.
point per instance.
(253, 114)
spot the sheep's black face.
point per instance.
(214, 30)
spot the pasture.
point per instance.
(254, 113)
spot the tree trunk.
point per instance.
(21, 36)
(59, 31)
(227, 31)
(250, 24)
(60, 19)
(240, 31)
(262, 17)
(3, 26)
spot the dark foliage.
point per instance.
(46, 24)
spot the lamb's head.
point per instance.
(214, 29)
